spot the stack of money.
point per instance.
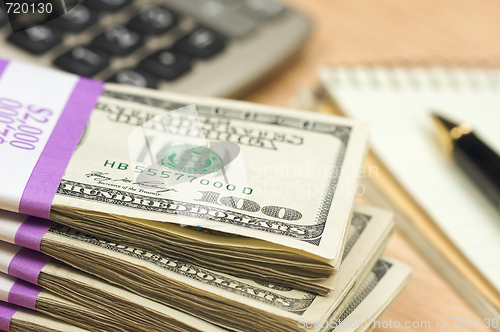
(146, 272)
(55, 289)
(180, 213)
(272, 189)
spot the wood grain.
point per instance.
(427, 297)
(461, 32)
(395, 32)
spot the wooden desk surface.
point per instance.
(459, 32)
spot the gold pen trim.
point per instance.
(448, 132)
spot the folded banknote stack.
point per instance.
(126, 209)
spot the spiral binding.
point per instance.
(431, 77)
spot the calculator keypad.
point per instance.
(38, 39)
(167, 64)
(76, 20)
(119, 40)
(142, 44)
(83, 61)
(202, 43)
(154, 20)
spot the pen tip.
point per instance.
(444, 128)
(443, 122)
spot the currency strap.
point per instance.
(22, 263)
(43, 114)
(25, 231)
(7, 310)
(18, 292)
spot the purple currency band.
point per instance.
(7, 310)
(31, 232)
(27, 264)
(3, 65)
(50, 167)
(24, 294)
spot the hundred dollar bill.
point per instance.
(219, 298)
(18, 319)
(272, 189)
(273, 193)
(58, 290)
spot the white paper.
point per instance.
(398, 102)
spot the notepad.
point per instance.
(397, 102)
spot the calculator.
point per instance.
(220, 48)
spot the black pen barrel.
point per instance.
(481, 163)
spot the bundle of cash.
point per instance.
(154, 211)
(81, 299)
(190, 288)
(18, 319)
(266, 215)
(254, 191)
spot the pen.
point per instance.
(477, 159)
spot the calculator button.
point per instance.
(263, 9)
(77, 19)
(202, 43)
(37, 39)
(221, 15)
(167, 64)
(119, 40)
(154, 20)
(108, 5)
(135, 77)
(234, 23)
(3, 17)
(83, 61)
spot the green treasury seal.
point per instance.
(190, 159)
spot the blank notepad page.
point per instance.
(398, 102)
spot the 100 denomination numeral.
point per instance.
(248, 205)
